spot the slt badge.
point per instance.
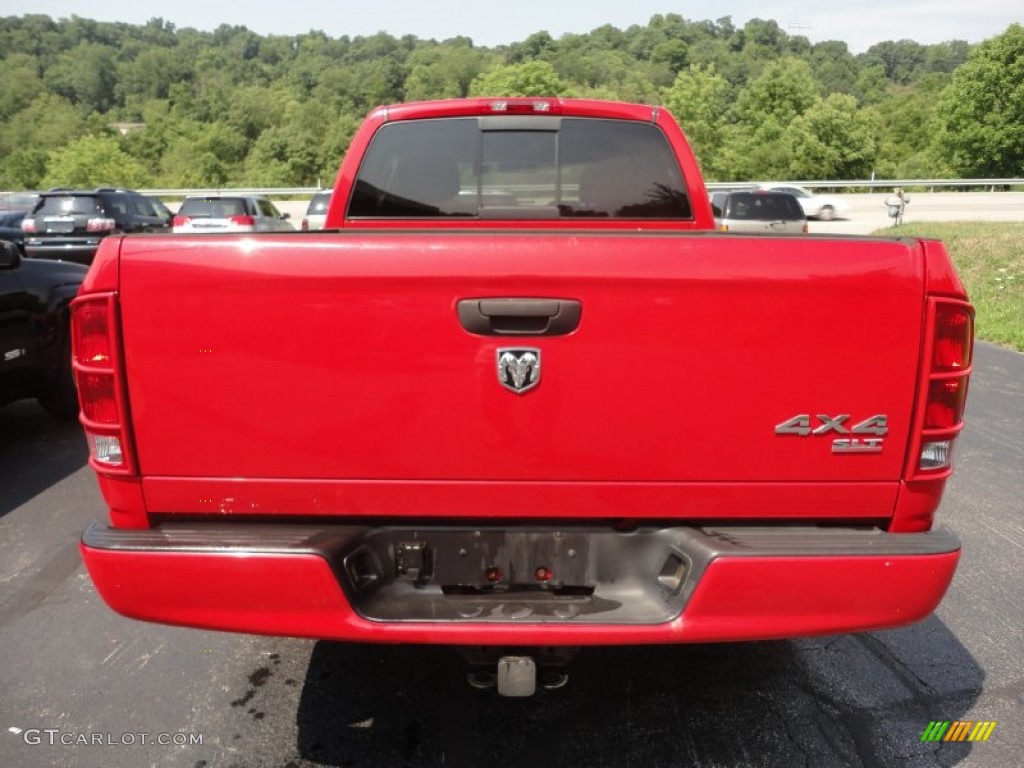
(518, 368)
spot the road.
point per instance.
(868, 211)
(75, 671)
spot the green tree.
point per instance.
(902, 60)
(23, 168)
(834, 66)
(672, 53)
(442, 72)
(758, 143)
(203, 155)
(28, 137)
(19, 85)
(305, 149)
(872, 85)
(785, 90)
(254, 109)
(831, 140)
(48, 122)
(150, 74)
(86, 75)
(981, 113)
(94, 161)
(362, 84)
(906, 122)
(533, 78)
(699, 100)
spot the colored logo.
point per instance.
(958, 730)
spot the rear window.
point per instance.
(534, 167)
(68, 205)
(319, 203)
(213, 207)
(762, 206)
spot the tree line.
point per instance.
(85, 102)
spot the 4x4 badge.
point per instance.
(519, 368)
(808, 425)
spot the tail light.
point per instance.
(947, 350)
(245, 221)
(945, 393)
(96, 359)
(180, 221)
(28, 225)
(100, 225)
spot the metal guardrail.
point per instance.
(266, 192)
(278, 192)
(877, 183)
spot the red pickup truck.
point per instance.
(520, 397)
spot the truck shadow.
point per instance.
(846, 700)
(36, 452)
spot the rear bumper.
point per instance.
(407, 585)
(81, 250)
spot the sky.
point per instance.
(859, 24)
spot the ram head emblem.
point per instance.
(519, 368)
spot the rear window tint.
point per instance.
(68, 205)
(762, 206)
(558, 168)
(213, 207)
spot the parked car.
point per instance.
(10, 228)
(229, 213)
(17, 201)
(69, 224)
(758, 211)
(823, 207)
(35, 344)
(316, 213)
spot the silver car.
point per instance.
(229, 213)
(822, 207)
(316, 213)
(759, 211)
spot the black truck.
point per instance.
(35, 343)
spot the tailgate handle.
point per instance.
(520, 317)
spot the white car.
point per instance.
(229, 213)
(823, 207)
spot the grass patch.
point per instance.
(989, 257)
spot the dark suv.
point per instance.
(69, 224)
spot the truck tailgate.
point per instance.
(339, 360)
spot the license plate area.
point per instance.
(512, 575)
(501, 562)
(59, 226)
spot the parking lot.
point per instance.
(80, 686)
